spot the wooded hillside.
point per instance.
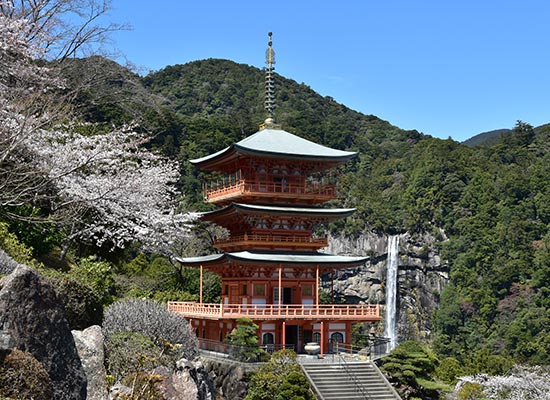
(492, 202)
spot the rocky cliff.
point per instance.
(421, 277)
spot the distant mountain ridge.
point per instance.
(490, 138)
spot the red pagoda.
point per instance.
(270, 265)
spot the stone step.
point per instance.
(333, 381)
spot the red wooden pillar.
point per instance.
(322, 340)
(280, 289)
(283, 334)
(348, 333)
(200, 288)
(332, 286)
(317, 286)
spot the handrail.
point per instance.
(374, 347)
(246, 186)
(367, 312)
(272, 238)
(359, 387)
(230, 351)
(350, 348)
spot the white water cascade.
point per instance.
(390, 330)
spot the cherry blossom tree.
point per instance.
(110, 188)
(101, 187)
(62, 28)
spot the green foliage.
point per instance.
(244, 341)
(408, 363)
(86, 288)
(83, 305)
(471, 391)
(23, 377)
(12, 246)
(41, 237)
(448, 370)
(98, 275)
(280, 379)
(129, 352)
(158, 279)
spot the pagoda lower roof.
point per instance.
(275, 258)
(274, 143)
(328, 213)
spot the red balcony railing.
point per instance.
(271, 241)
(355, 312)
(307, 191)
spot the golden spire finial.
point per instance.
(269, 103)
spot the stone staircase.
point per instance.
(349, 381)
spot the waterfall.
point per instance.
(390, 330)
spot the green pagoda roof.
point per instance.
(287, 258)
(280, 210)
(273, 142)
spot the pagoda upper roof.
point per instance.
(276, 258)
(279, 210)
(274, 143)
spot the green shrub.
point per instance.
(485, 362)
(448, 370)
(409, 366)
(98, 275)
(14, 248)
(244, 341)
(129, 352)
(281, 378)
(470, 391)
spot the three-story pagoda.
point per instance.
(270, 265)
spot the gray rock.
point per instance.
(7, 264)
(189, 381)
(32, 314)
(229, 378)
(119, 392)
(89, 344)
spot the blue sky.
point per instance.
(446, 68)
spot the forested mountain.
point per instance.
(492, 202)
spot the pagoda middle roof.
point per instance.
(280, 210)
(277, 258)
(276, 143)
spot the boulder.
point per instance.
(119, 392)
(89, 344)
(189, 381)
(33, 317)
(7, 264)
(230, 379)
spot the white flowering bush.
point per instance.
(523, 383)
(153, 320)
